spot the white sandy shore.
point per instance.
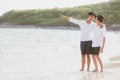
(38, 54)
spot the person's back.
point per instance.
(99, 33)
(86, 29)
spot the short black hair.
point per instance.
(92, 13)
(100, 17)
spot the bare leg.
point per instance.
(83, 62)
(88, 62)
(95, 63)
(100, 62)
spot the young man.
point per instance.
(86, 36)
(98, 42)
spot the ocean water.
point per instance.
(44, 54)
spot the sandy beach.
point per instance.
(44, 54)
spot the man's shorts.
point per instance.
(86, 47)
(95, 50)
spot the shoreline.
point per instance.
(2, 26)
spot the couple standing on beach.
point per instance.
(91, 45)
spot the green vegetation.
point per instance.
(50, 17)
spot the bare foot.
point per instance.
(88, 70)
(81, 70)
(96, 70)
(101, 70)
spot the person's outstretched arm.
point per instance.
(64, 17)
(72, 20)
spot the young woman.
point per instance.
(98, 42)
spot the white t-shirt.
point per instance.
(98, 34)
(86, 29)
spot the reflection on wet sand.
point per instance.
(93, 76)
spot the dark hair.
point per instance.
(91, 13)
(100, 18)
